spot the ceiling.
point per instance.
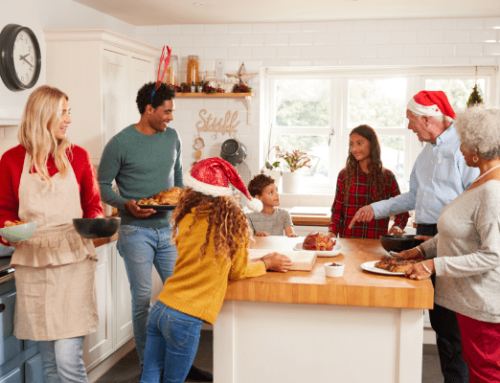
(163, 12)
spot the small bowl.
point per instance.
(399, 243)
(96, 227)
(334, 271)
(18, 233)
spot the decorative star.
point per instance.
(242, 75)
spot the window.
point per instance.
(314, 109)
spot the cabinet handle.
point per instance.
(2, 308)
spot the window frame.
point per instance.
(339, 77)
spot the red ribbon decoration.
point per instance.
(167, 61)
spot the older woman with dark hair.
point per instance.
(466, 254)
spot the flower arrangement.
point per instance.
(295, 159)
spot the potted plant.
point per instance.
(295, 159)
(200, 87)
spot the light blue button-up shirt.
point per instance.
(439, 175)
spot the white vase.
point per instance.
(291, 182)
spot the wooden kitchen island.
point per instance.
(303, 327)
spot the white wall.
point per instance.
(41, 15)
(459, 42)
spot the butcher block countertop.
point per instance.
(356, 288)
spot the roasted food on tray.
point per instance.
(166, 197)
(395, 264)
(318, 241)
(10, 224)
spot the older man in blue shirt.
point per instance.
(439, 175)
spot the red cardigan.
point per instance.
(11, 168)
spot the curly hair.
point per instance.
(376, 174)
(164, 93)
(228, 222)
(258, 183)
(479, 130)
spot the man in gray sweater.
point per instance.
(145, 159)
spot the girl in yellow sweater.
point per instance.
(212, 239)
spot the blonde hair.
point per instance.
(35, 132)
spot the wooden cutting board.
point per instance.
(301, 260)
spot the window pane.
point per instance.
(457, 90)
(380, 103)
(303, 103)
(316, 146)
(392, 154)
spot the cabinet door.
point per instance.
(33, 370)
(141, 72)
(13, 376)
(10, 346)
(116, 94)
(99, 345)
(123, 300)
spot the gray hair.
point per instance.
(479, 130)
(440, 119)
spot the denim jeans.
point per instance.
(62, 360)
(444, 322)
(173, 339)
(140, 248)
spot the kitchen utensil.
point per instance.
(370, 266)
(301, 260)
(158, 207)
(326, 253)
(6, 251)
(399, 243)
(96, 227)
(18, 233)
(336, 271)
(233, 151)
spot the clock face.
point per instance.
(25, 57)
(20, 59)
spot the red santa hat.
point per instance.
(432, 104)
(212, 177)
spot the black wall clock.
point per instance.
(20, 58)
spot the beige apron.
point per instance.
(55, 268)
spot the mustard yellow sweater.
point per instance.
(198, 287)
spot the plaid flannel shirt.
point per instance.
(361, 194)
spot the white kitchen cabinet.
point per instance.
(123, 303)
(99, 345)
(101, 72)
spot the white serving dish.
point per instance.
(334, 271)
(331, 253)
(301, 260)
(18, 233)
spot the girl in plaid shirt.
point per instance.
(361, 182)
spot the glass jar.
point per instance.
(193, 70)
(173, 71)
(211, 78)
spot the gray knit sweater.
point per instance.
(468, 254)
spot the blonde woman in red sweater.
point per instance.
(212, 238)
(49, 181)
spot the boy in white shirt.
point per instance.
(272, 220)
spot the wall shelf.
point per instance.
(246, 96)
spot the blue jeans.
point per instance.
(449, 342)
(62, 360)
(140, 248)
(173, 339)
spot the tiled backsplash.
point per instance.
(425, 42)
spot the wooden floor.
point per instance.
(127, 370)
